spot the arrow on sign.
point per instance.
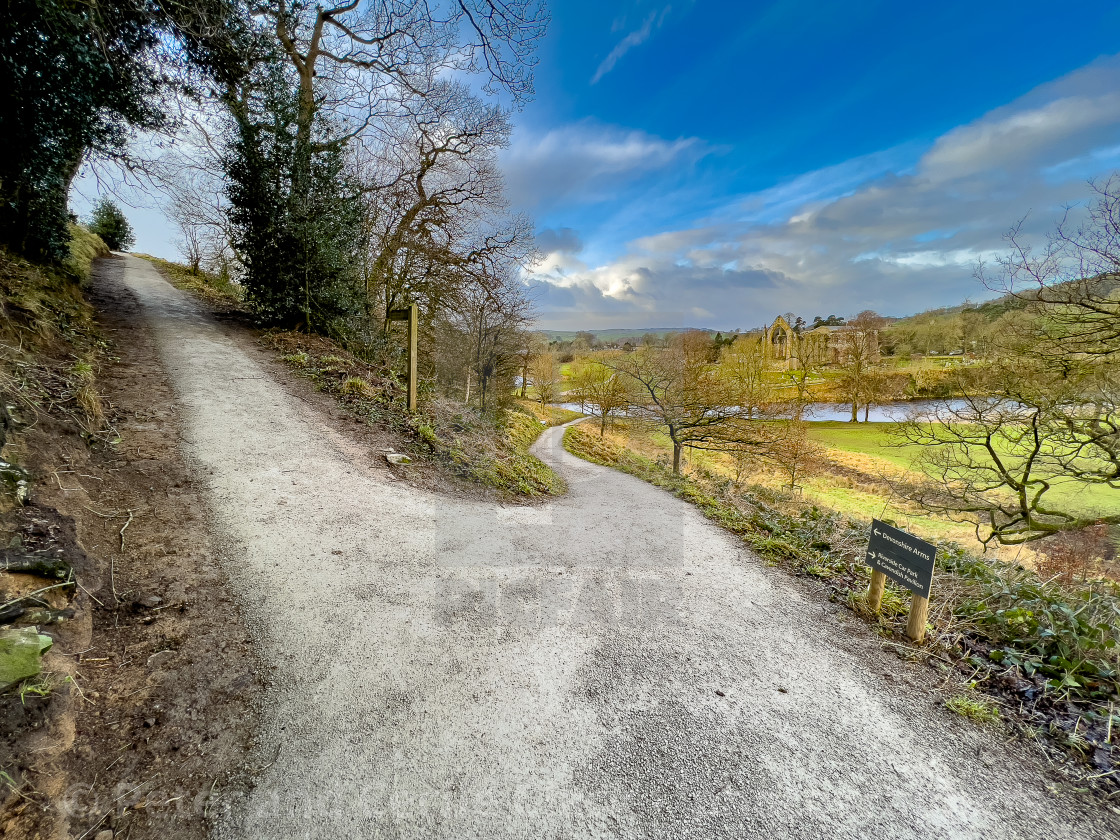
(871, 555)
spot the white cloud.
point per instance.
(587, 161)
(1019, 138)
(898, 231)
(636, 38)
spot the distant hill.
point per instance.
(993, 309)
(614, 335)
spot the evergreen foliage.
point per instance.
(110, 223)
(295, 214)
(76, 79)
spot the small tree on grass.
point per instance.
(606, 389)
(533, 346)
(744, 366)
(110, 223)
(858, 344)
(880, 386)
(790, 449)
(544, 372)
(681, 390)
(804, 361)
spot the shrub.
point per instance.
(108, 222)
(1071, 555)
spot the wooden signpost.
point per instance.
(411, 314)
(908, 561)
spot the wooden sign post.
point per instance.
(908, 561)
(411, 314)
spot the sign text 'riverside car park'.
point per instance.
(904, 558)
(908, 561)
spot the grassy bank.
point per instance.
(1046, 655)
(49, 349)
(493, 452)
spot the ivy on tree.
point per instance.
(77, 78)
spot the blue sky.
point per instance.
(715, 163)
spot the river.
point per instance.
(832, 412)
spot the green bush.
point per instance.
(109, 222)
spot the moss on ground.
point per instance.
(976, 708)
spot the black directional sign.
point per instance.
(902, 557)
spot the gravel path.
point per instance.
(606, 665)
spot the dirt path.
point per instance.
(608, 664)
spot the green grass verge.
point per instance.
(491, 451)
(212, 288)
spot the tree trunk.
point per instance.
(855, 411)
(866, 412)
(676, 458)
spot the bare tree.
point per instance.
(492, 314)
(743, 364)
(1074, 278)
(858, 345)
(680, 390)
(435, 213)
(1048, 410)
(360, 62)
(604, 388)
(1012, 434)
(804, 360)
(544, 371)
(880, 386)
(195, 206)
(788, 447)
(533, 345)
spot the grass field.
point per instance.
(861, 458)
(551, 415)
(881, 454)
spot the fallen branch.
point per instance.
(124, 528)
(35, 593)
